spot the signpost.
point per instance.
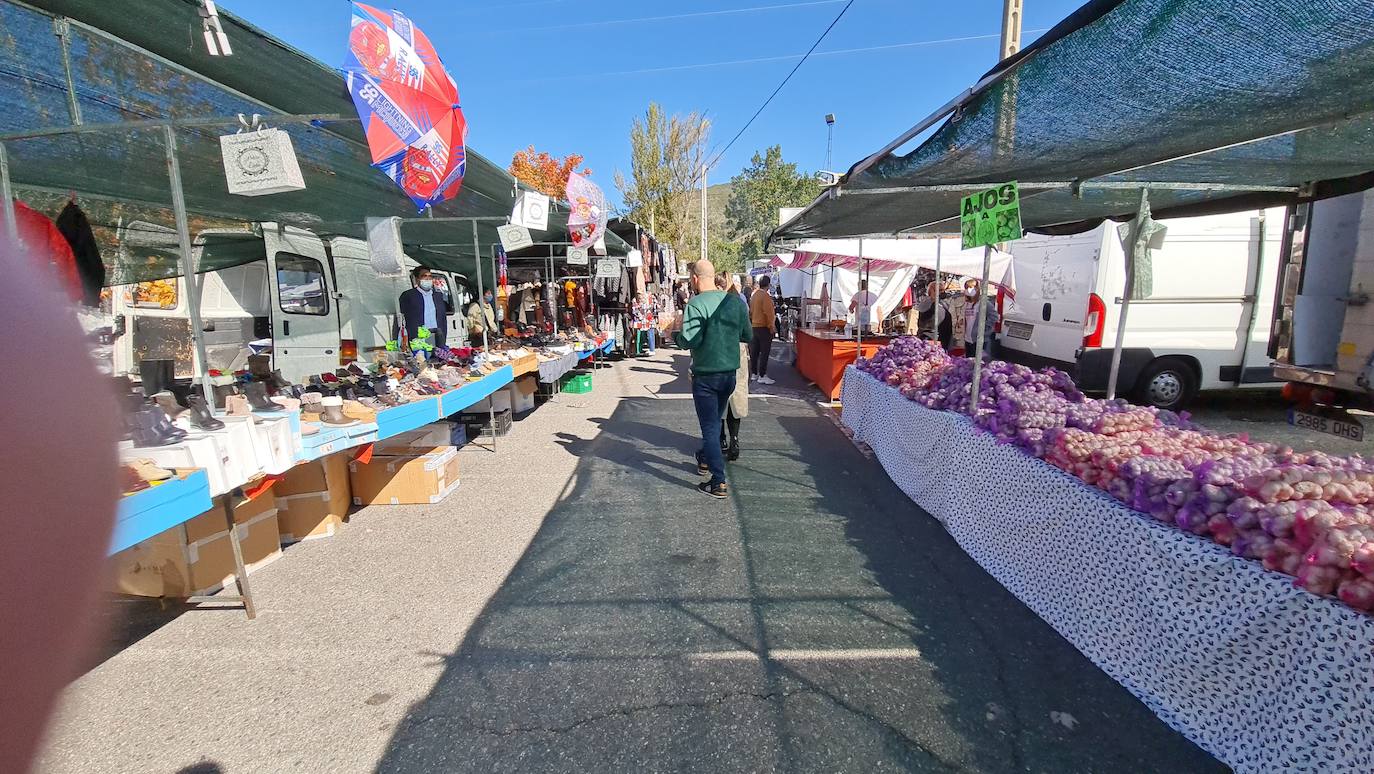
(990, 216)
(986, 218)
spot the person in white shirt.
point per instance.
(974, 295)
(864, 307)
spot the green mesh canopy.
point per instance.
(1213, 104)
(136, 60)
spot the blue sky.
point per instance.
(568, 76)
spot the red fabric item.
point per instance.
(48, 248)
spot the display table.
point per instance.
(455, 401)
(1263, 675)
(822, 357)
(525, 365)
(551, 371)
(157, 509)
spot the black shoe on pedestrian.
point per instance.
(732, 453)
(719, 491)
(702, 468)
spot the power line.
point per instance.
(793, 72)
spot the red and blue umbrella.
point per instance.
(408, 105)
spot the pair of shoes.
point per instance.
(719, 491)
(702, 468)
(766, 380)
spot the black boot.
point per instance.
(257, 397)
(278, 383)
(732, 451)
(149, 426)
(200, 414)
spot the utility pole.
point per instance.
(1011, 27)
(703, 213)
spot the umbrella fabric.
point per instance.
(408, 105)
(587, 218)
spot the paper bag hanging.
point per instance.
(260, 162)
(384, 249)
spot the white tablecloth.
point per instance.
(1264, 676)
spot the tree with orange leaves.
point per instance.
(545, 173)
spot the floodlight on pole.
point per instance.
(829, 137)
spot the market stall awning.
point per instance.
(1216, 105)
(888, 255)
(137, 60)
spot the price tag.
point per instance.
(577, 256)
(991, 216)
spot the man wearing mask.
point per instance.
(482, 317)
(426, 306)
(974, 296)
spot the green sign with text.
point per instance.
(991, 216)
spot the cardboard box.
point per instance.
(213, 522)
(425, 438)
(499, 399)
(172, 565)
(323, 475)
(311, 516)
(521, 401)
(417, 479)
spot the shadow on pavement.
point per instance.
(817, 622)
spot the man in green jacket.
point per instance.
(712, 326)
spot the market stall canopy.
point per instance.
(140, 60)
(892, 255)
(1216, 105)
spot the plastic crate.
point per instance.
(478, 425)
(577, 384)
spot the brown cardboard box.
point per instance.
(416, 479)
(170, 565)
(322, 475)
(416, 441)
(527, 385)
(212, 522)
(312, 515)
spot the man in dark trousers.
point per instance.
(425, 306)
(712, 326)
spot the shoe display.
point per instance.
(237, 406)
(333, 413)
(257, 397)
(287, 404)
(148, 471)
(718, 491)
(149, 426)
(201, 418)
(278, 382)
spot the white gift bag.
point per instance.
(260, 162)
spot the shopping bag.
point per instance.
(261, 162)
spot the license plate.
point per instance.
(1344, 427)
(1018, 330)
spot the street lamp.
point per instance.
(829, 137)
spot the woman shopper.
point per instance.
(738, 407)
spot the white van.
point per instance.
(314, 304)
(1199, 319)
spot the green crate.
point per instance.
(577, 384)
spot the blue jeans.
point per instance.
(711, 393)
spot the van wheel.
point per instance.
(1166, 383)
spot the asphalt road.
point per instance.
(580, 607)
(1263, 415)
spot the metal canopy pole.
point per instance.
(482, 313)
(857, 326)
(189, 265)
(982, 324)
(935, 310)
(1131, 255)
(190, 270)
(7, 193)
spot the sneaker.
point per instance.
(753, 377)
(719, 491)
(702, 468)
(766, 380)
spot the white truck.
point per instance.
(1199, 319)
(314, 303)
(1324, 333)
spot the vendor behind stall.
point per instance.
(482, 317)
(425, 306)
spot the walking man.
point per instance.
(712, 327)
(763, 317)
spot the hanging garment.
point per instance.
(76, 229)
(48, 248)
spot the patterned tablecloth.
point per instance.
(1263, 675)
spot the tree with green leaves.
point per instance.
(758, 192)
(662, 192)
